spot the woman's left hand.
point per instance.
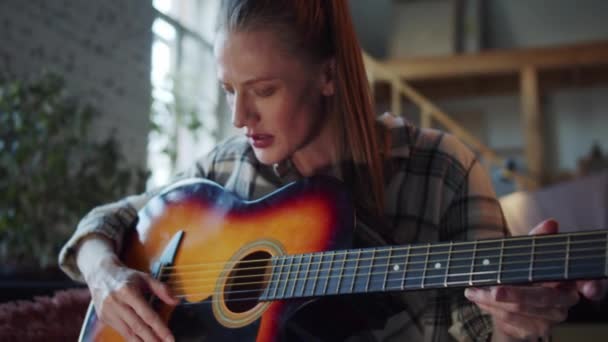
(524, 312)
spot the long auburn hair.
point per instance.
(319, 30)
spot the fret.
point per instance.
(486, 262)
(502, 250)
(356, 268)
(378, 268)
(336, 277)
(369, 274)
(471, 271)
(305, 273)
(407, 257)
(361, 282)
(460, 263)
(293, 279)
(300, 277)
(285, 279)
(323, 277)
(426, 261)
(516, 257)
(531, 266)
(447, 265)
(436, 265)
(328, 263)
(417, 257)
(549, 257)
(271, 289)
(587, 255)
(349, 271)
(386, 270)
(279, 274)
(315, 269)
(396, 263)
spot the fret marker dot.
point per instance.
(438, 265)
(486, 262)
(396, 268)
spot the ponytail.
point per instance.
(353, 103)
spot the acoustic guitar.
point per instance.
(241, 269)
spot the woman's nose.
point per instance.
(239, 111)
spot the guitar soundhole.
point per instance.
(247, 281)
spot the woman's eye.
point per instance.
(227, 90)
(265, 92)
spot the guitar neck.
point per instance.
(526, 259)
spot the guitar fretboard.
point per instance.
(440, 265)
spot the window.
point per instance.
(185, 91)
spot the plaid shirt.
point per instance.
(436, 191)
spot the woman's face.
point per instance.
(274, 96)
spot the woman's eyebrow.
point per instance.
(259, 79)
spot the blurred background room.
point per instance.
(100, 99)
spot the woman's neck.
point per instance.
(319, 155)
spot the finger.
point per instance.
(537, 296)
(593, 289)
(520, 325)
(549, 226)
(150, 318)
(135, 323)
(161, 290)
(113, 320)
(555, 314)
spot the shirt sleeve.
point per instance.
(473, 214)
(113, 220)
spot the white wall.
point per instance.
(422, 28)
(102, 48)
(526, 23)
(371, 20)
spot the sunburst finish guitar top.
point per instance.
(242, 269)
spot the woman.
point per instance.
(295, 82)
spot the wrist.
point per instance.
(95, 254)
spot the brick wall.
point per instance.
(102, 48)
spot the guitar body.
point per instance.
(233, 264)
(204, 243)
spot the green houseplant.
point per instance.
(51, 172)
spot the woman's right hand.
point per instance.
(118, 295)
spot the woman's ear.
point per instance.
(328, 77)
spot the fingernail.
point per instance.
(470, 293)
(590, 290)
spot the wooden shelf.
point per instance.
(501, 62)
(498, 72)
(508, 84)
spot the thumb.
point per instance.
(161, 290)
(549, 226)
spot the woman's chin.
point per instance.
(267, 157)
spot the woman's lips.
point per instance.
(261, 140)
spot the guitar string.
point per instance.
(175, 271)
(329, 276)
(402, 248)
(302, 292)
(408, 264)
